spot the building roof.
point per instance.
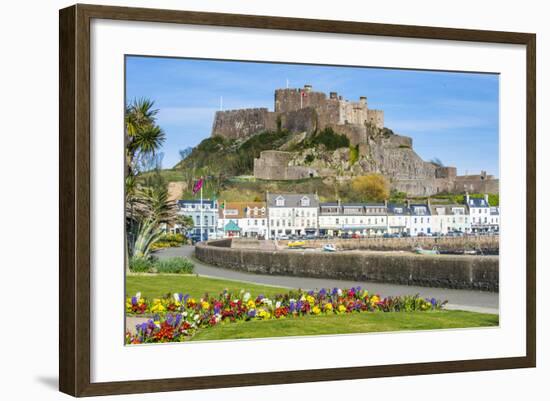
(447, 208)
(292, 200)
(417, 208)
(478, 202)
(242, 210)
(398, 209)
(183, 202)
(231, 226)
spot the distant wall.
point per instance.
(243, 123)
(467, 272)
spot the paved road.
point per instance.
(477, 301)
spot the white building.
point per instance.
(480, 214)
(447, 218)
(365, 219)
(398, 219)
(292, 214)
(250, 217)
(207, 210)
(421, 222)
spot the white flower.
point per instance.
(177, 297)
(184, 314)
(246, 297)
(138, 295)
(196, 317)
(278, 304)
(339, 292)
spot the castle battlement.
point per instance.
(301, 110)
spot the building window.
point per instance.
(280, 201)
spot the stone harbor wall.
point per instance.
(446, 271)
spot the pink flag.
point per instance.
(198, 185)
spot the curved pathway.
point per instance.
(475, 301)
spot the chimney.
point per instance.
(363, 100)
(486, 196)
(408, 202)
(429, 202)
(307, 88)
(467, 196)
(385, 203)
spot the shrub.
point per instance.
(140, 265)
(353, 154)
(309, 159)
(330, 139)
(174, 265)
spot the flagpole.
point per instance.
(201, 213)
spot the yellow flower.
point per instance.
(205, 305)
(341, 308)
(328, 307)
(374, 300)
(310, 299)
(250, 304)
(316, 310)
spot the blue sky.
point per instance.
(451, 116)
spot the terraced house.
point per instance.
(292, 214)
(243, 219)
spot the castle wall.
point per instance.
(301, 120)
(476, 184)
(353, 112)
(274, 165)
(243, 123)
(357, 134)
(289, 100)
(376, 117)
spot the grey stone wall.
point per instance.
(465, 272)
(243, 123)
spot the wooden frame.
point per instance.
(74, 199)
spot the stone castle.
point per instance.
(304, 112)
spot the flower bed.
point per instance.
(176, 317)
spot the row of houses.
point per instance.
(302, 214)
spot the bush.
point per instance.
(140, 265)
(330, 139)
(353, 154)
(174, 265)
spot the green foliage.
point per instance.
(309, 159)
(140, 265)
(494, 199)
(353, 154)
(330, 139)
(154, 265)
(219, 155)
(404, 147)
(397, 196)
(174, 265)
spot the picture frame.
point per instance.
(75, 201)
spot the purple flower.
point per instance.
(217, 309)
(134, 301)
(291, 306)
(323, 292)
(252, 313)
(178, 320)
(335, 291)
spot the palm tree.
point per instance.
(143, 136)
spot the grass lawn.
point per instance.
(349, 323)
(153, 285)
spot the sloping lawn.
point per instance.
(157, 285)
(349, 323)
